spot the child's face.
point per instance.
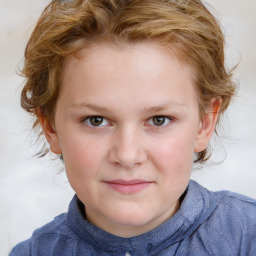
(127, 123)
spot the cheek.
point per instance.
(83, 161)
(83, 156)
(174, 155)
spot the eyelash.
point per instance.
(88, 122)
(167, 119)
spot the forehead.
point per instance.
(145, 71)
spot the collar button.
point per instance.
(149, 247)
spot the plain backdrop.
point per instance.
(32, 191)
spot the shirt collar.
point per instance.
(197, 205)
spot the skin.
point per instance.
(148, 130)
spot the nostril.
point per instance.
(127, 157)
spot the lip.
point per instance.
(128, 186)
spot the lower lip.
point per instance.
(129, 188)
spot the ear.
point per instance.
(49, 132)
(207, 125)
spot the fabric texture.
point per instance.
(207, 223)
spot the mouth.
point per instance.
(128, 186)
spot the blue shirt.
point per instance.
(207, 223)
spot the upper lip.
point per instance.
(128, 182)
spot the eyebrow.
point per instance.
(90, 106)
(158, 108)
(163, 107)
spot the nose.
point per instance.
(127, 149)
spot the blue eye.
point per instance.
(96, 121)
(159, 120)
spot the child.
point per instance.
(128, 93)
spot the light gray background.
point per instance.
(31, 191)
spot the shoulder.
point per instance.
(21, 249)
(56, 231)
(236, 209)
(228, 205)
(232, 224)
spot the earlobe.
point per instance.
(49, 132)
(207, 125)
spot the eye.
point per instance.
(95, 121)
(160, 120)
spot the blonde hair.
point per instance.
(65, 27)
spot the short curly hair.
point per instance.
(66, 27)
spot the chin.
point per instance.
(132, 218)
